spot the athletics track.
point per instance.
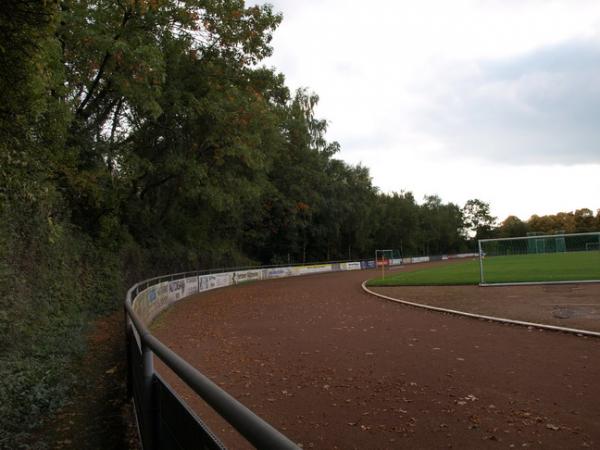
(334, 367)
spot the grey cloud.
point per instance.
(541, 108)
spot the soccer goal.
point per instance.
(592, 246)
(387, 258)
(540, 259)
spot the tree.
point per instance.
(512, 226)
(478, 221)
(584, 220)
(125, 82)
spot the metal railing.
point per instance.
(159, 410)
(164, 420)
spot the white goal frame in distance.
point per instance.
(545, 236)
(383, 265)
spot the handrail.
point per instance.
(258, 432)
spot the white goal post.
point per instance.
(540, 259)
(387, 258)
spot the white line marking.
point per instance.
(482, 317)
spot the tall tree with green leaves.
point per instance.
(477, 219)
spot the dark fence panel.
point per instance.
(143, 409)
(164, 420)
(179, 428)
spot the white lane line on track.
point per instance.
(482, 317)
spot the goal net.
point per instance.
(384, 259)
(555, 258)
(388, 258)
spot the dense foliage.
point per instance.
(143, 136)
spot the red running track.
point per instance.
(333, 367)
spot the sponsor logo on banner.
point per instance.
(383, 262)
(395, 262)
(305, 270)
(371, 264)
(149, 303)
(351, 266)
(463, 255)
(220, 280)
(203, 283)
(336, 267)
(278, 272)
(191, 286)
(176, 290)
(444, 257)
(246, 275)
(420, 259)
(152, 295)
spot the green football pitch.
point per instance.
(573, 266)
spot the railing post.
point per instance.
(149, 441)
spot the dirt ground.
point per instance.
(333, 367)
(566, 305)
(98, 414)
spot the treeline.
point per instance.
(140, 137)
(143, 137)
(579, 221)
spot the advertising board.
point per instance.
(370, 264)
(420, 259)
(463, 255)
(220, 280)
(244, 276)
(277, 272)
(176, 290)
(151, 301)
(316, 268)
(355, 265)
(191, 286)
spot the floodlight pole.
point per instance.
(481, 280)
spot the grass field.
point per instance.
(574, 266)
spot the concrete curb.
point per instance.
(482, 317)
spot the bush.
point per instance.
(55, 280)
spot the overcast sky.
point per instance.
(496, 100)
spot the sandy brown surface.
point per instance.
(334, 367)
(566, 305)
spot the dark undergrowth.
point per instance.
(55, 283)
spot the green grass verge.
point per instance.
(573, 266)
